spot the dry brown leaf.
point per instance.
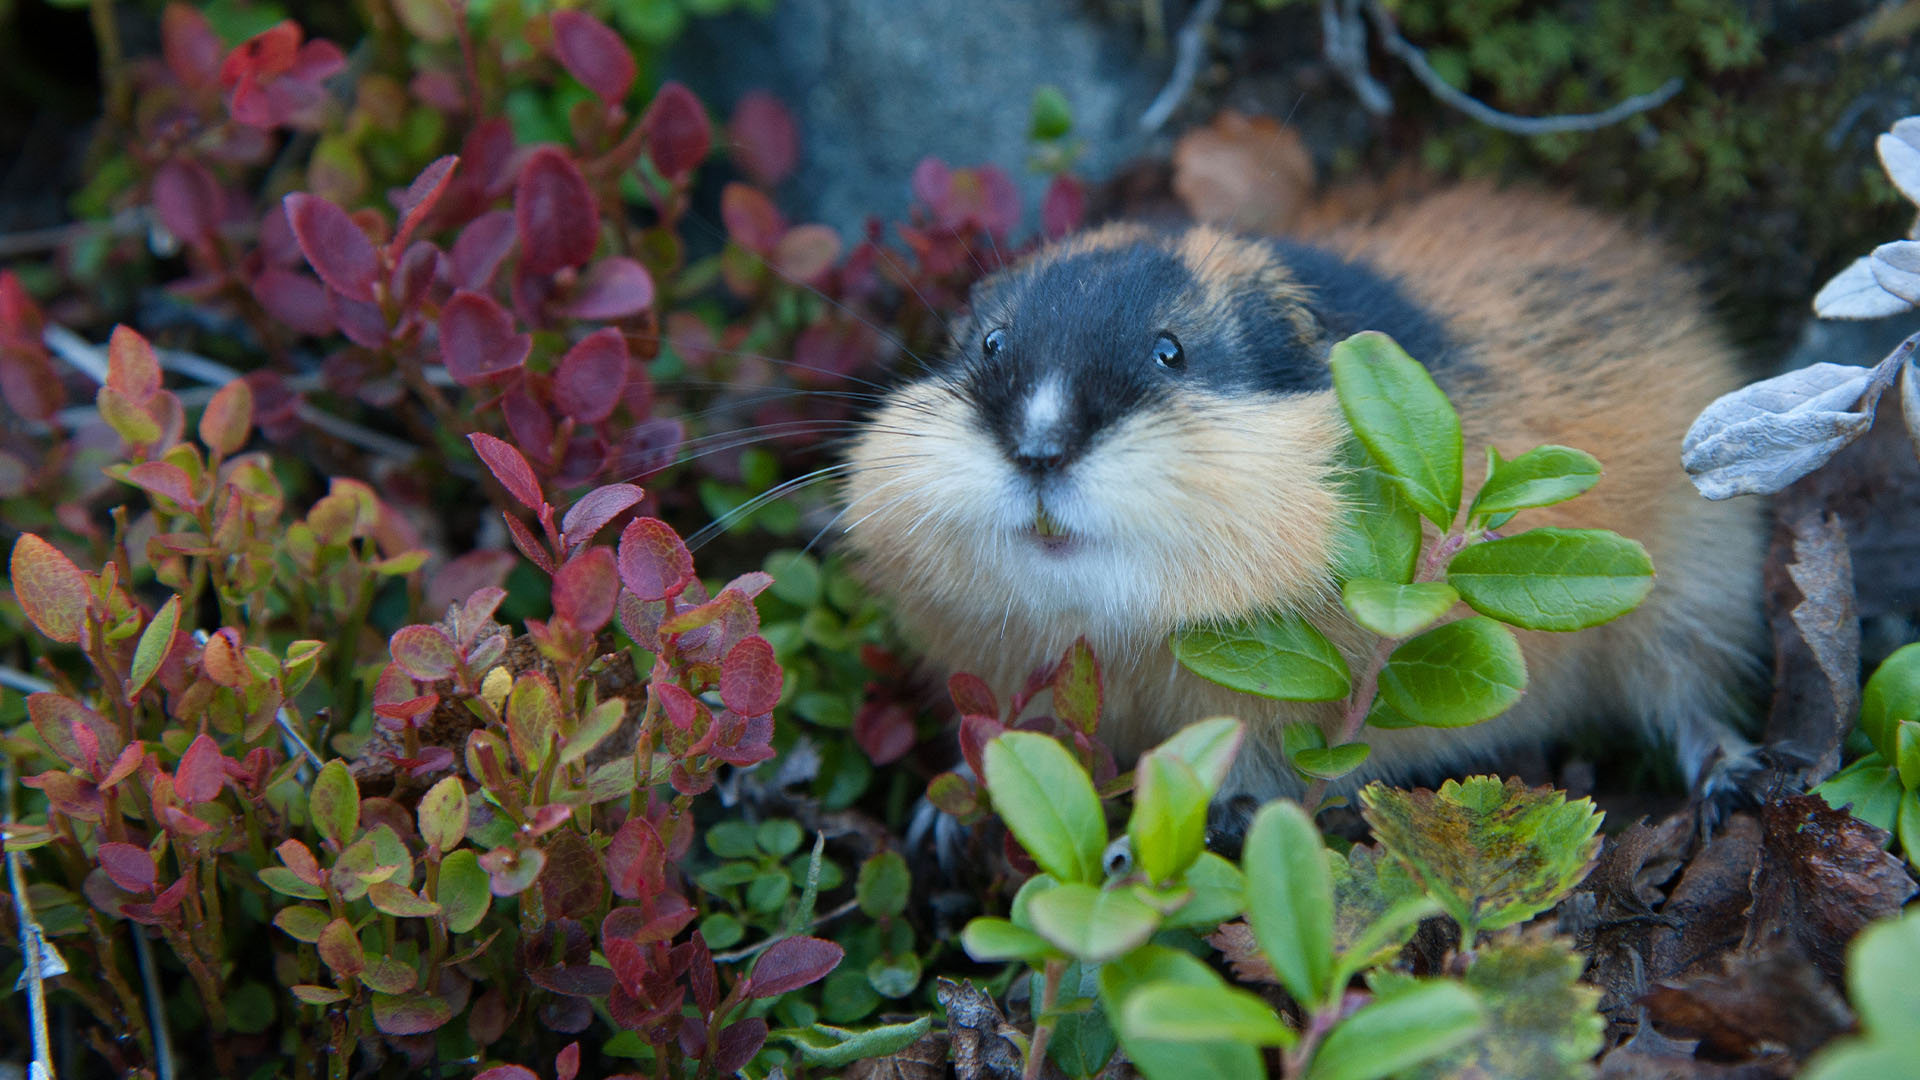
(1248, 173)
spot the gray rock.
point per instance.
(877, 85)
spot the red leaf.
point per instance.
(884, 730)
(762, 138)
(566, 1063)
(164, 479)
(509, 468)
(594, 54)
(1064, 206)
(53, 592)
(588, 381)
(792, 963)
(529, 423)
(554, 213)
(191, 48)
(613, 288)
(268, 53)
(424, 651)
(416, 202)
(751, 218)
(508, 1072)
(188, 199)
(972, 695)
(69, 728)
(975, 733)
(528, 543)
(654, 561)
(460, 577)
(477, 340)
(737, 1043)
(334, 246)
(299, 858)
(201, 773)
(595, 509)
(223, 661)
(228, 418)
(296, 299)
(414, 274)
(483, 245)
(636, 861)
(678, 136)
(584, 589)
(132, 367)
(129, 866)
(1076, 687)
(750, 678)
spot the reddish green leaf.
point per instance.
(334, 246)
(590, 377)
(69, 728)
(52, 591)
(533, 717)
(508, 1072)
(594, 54)
(128, 418)
(299, 861)
(595, 509)
(654, 561)
(228, 418)
(478, 341)
(399, 901)
(678, 135)
(792, 963)
(510, 872)
(554, 213)
(806, 253)
(340, 950)
(386, 975)
(750, 678)
(334, 804)
(737, 1043)
(424, 652)
(302, 923)
(155, 642)
(223, 658)
(317, 995)
(130, 867)
(132, 368)
(443, 814)
(1076, 687)
(585, 588)
(761, 138)
(751, 218)
(202, 771)
(415, 1014)
(972, 696)
(187, 199)
(509, 468)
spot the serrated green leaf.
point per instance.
(1492, 853)
(1542, 1021)
(1369, 885)
(1158, 1059)
(1332, 762)
(826, 1047)
(1048, 803)
(1542, 476)
(1380, 537)
(1290, 899)
(989, 940)
(1891, 695)
(1177, 1012)
(1554, 579)
(1457, 674)
(1396, 611)
(1277, 656)
(1168, 826)
(1399, 1032)
(463, 892)
(1403, 419)
(1209, 746)
(1090, 923)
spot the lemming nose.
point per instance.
(1041, 455)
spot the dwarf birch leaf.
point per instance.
(1454, 675)
(1542, 476)
(1396, 611)
(1554, 579)
(1494, 854)
(1290, 899)
(1207, 1013)
(1541, 1019)
(1398, 1032)
(1049, 804)
(340, 950)
(1403, 419)
(1277, 656)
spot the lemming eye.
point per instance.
(1167, 353)
(994, 341)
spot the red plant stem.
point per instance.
(1044, 1020)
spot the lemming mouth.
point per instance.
(1047, 531)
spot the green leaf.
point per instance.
(1906, 748)
(1179, 1013)
(463, 891)
(826, 1047)
(400, 902)
(1869, 789)
(317, 995)
(155, 640)
(1403, 419)
(989, 940)
(1907, 826)
(1290, 900)
(1159, 1059)
(1542, 1021)
(1396, 611)
(1880, 967)
(1494, 854)
(287, 883)
(1891, 695)
(1457, 674)
(1554, 579)
(1051, 117)
(796, 577)
(1858, 1059)
(1049, 804)
(443, 814)
(1398, 1032)
(1168, 826)
(1377, 905)
(883, 885)
(340, 950)
(1090, 923)
(603, 721)
(1209, 746)
(1278, 656)
(1216, 891)
(1542, 476)
(334, 803)
(1380, 538)
(1332, 762)
(414, 1014)
(302, 923)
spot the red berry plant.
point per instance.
(363, 712)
